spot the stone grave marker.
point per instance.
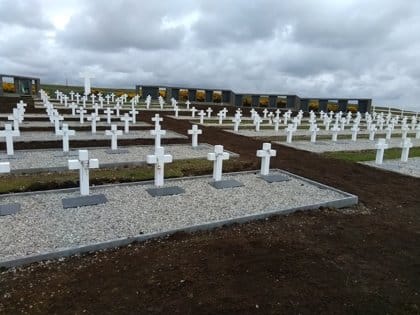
(194, 132)
(406, 145)
(93, 119)
(209, 111)
(314, 130)
(114, 133)
(218, 156)
(8, 133)
(201, 114)
(158, 133)
(193, 111)
(236, 121)
(265, 154)
(354, 131)
(81, 111)
(126, 119)
(65, 133)
(380, 146)
(289, 133)
(108, 111)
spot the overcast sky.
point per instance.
(336, 48)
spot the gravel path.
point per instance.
(52, 158)
(83, 135)
(43, 225)
(342, 145)
(411, 167)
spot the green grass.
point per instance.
(369, 155)
(44, 181)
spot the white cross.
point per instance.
(126, 120)
(404, 131)
(221, 115)
(108, 111)
(388, 131)
(380, 146)
(73, 107)
(71, 96)
(236, 120)
(65, 100)
(57, 94)
(107, 97)
(77, 98)
(9, 133)
(81, 111)
(335, 130)
(95, 106)
(201, 114)
(133, 113)
(354, 131)
(87, 76)
(148, 101)
(157, 132)
(289, 131)
(15, 117)
(343, 122)
(176, 110)
(84, 98)
(217, 156)
(114, 133)
(257, 121)
(314, 130)
(112, 97)
(188, 104)
(327, 122)
(157, 120)
(159, 159)
(265, 154)
(276, 121)
(406, 144)
(372, 131)
(195, 132)
(93, 119)
(265, 112)
(209, 111)
(117, 108)
(65, 132)
(56, 118)
(193, 110)
(83, 164)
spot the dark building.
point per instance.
(21, 85)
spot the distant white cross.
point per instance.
(126, 119)
(335, 130)
(209, 111)
(81, 111)
(193, 111)
(87, 76)
(93, 119)
(108, 111)
(194, 132)
(201, 114)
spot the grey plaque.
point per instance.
(165, 191)
(228, 183)
(65, 154)
(10, 208)
(83, 201)
(274, 178)
(118, 151)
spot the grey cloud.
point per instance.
(23, 13)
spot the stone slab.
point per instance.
(10, 208)
(274, 178)
(82, 201)
(69, 154)
(165, 191)
(118, 151)
(228, 183)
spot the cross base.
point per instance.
(15, 156)
(274, 178)
(118, 151)
(69, 153)
(227, 183)
(10, 208)
(165, 191)
(82, 201)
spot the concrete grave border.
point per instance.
(347, 201)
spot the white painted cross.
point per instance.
(265, 112)
(188, 103)
(95, 106)
(380, 146)
(107, 97)
(220, 114)
(9, 133)
(418, 131)
(201, 114)
(257, 121)
(117, 108)
(404, 130)
(159, 159)
(65, 132)
(73, 107)
(112, 97)
(81, 111)
(126, 119)
(15, 117)
(87, 76)
(236, 121)
(71, 96)
(209, 111)
(157, 119)
(354, 131)
(335, 130)
(157, 132)
(193, 110)
(77, 98)
(314, 130)
(276, 121)
(406, 144)
(176, 111)
(289, 132)
(217, 156)
(56, 118)
(194, 132)
(114, 133)
(108, 111)
(372, 131)
(57, 94)
(83, 164)
(93, 119)
(265, 154)
(388, 132)
(133, 113)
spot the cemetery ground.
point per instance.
(359, 260)
(363, 259)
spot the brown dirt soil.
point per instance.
(363, 260)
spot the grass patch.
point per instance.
(369, 155)
(180, 168)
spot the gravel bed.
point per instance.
(43, 225)
(342, 145)
(411, 167)
(86, 135)
(73, 124)
(53, 158)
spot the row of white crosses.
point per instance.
(13, 131)
(382, 145)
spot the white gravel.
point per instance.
(411, 167)
(342, 145)
(28, 136)
(43, 225)
(53, 158)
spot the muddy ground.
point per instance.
(364, 260)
